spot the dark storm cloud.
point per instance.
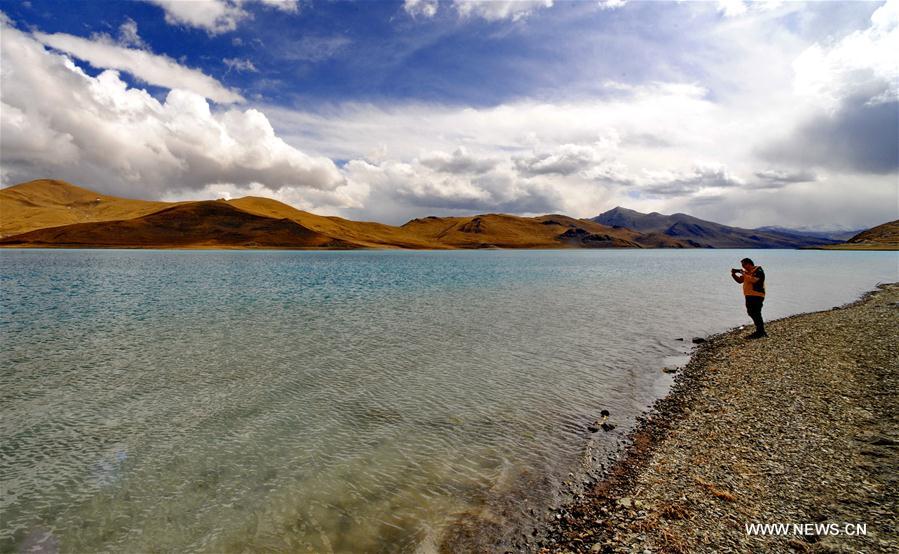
(700, 178)
(778, 178)
(860, 136)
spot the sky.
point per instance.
(746, 113)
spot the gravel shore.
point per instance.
(799, 428)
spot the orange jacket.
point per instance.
(754, 282)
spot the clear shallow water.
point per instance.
(339, 401)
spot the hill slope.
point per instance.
(50, 203)
(202, 224)
(704, 233)
(882, 237)
(363, 233)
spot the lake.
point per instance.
(223, 401)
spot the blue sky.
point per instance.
(749, 113)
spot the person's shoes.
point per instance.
(757, 335)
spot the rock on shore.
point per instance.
(798, 428)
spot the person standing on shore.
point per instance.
(753, 279)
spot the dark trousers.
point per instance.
(754, 309)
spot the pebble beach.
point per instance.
(799, 430)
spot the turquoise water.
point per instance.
(224, 401)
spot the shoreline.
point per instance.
(627, 509)
(656, 498)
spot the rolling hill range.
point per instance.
(50, 213)
(708, 234)
(54, 213)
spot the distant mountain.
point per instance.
(702, 233)
(48, 213)
(833, 234)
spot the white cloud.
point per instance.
(650, 147)
(289, 6)
(215, 16)
(864, 62)
(566, 159)
(421, 8)
(396, 191)
(697, 179)
(459, 161)
(497, 10)
(313, 48)
(146, 66)
(688, 145)
(237, 64)
(128, 35)
(777, 178)
(736, 8)
(732, 8)
(611, 4)
(58, 121)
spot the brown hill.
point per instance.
(56, 213)
(508, 231)
(50, 203)
(205, 224)
(881, 237)
(886, 233)
(363, 233)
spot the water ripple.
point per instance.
(335, 401)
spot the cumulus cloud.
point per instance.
(565, 159)
(420, 8)
(396, 191)
(58, 121)
(736, 143)
(145, 66)
(497, 10)
(573, 158)
(215, 16)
